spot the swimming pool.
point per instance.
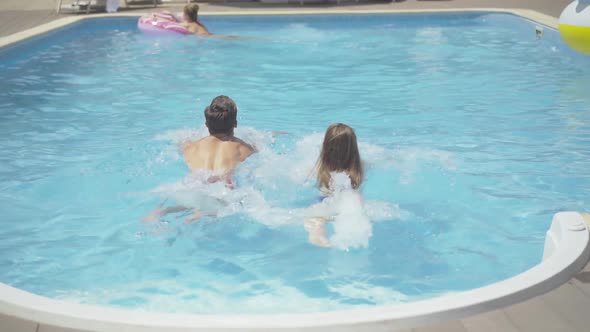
(474, 131)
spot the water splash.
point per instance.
(273, 184)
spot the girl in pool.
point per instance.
(339, 169)
(190, 20)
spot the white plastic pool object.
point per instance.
(577, 227)
(574, 25)
(112, 6)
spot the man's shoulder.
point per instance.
(188, 145)
(243, 144)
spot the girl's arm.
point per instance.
(168, 16)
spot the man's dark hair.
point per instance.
(221, 115)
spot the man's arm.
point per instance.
(184, 146)
(246, 150)
(189, 150)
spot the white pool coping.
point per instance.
(65, 21)
(567, 250)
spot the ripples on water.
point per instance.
(474, 134)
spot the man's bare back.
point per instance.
(220, 152)
(216, 153)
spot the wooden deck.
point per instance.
(566, 309)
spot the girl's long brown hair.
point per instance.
(192, 11)
(339, 153)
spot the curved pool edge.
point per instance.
(63, 22)
(567, 250)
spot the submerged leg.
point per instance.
(316, 229)
(158, 212)
(197, 215)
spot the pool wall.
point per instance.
(567, 250)
(548, 24)
(69, 20)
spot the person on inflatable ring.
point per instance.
(190, 20)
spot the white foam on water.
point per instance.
(352, 228)
(196, 192)
(292, 170)
(382, 211)
(376, 294)
(296, 166)
(406, 160)
(303, 32)
(225, 296)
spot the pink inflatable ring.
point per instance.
(161, 24)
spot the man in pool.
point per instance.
(219, 153)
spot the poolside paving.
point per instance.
(565, 309)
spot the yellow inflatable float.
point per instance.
(574, 25)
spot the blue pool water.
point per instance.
(474, 133)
